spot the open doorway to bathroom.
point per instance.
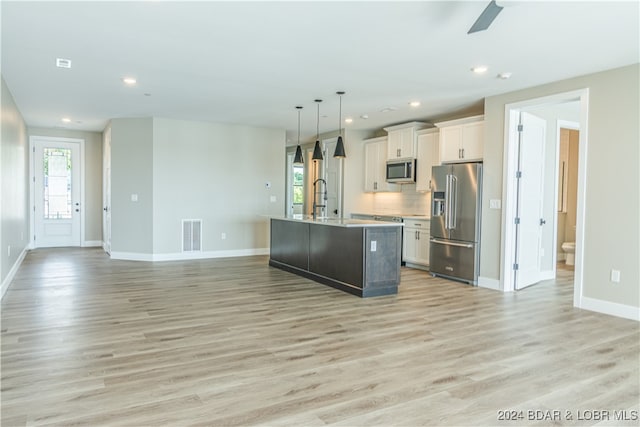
(568, 155)
(562, 111)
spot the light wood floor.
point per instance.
(91, 341)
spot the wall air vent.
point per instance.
(63, 63)
(191, 235)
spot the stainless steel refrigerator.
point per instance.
(456, 195)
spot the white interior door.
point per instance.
(57, 193)
(106, 183)
(530, 200)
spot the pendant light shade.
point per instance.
(339, 152)
(317, 151)
(298, 160)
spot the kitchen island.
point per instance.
(356, 256)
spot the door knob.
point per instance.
(542, 221)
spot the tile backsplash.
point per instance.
(407, 201)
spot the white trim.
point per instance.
(7, 280)
(178, 256)
(92, 244)
(610, 308)
(488, 283)
(510, 126)
(32, 170)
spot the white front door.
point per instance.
(530, 192)
(106, 184)
(57, 193)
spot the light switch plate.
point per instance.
(272, 199)
(134, 197)
(374, 245)
(495, 204)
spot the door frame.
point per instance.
(32, 175)
(511, 118)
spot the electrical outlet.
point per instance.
(272, 199)
(374, 245)
(223, 236)
(615, 276)
(134, 197)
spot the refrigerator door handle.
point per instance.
(453, 204)
(447, 243)
(447, 199)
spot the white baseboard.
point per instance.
(7, 280)
(610, 308)
(485, 282)
(178, 256)
(92, 244)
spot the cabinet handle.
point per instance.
(463, 153)
(418, 235)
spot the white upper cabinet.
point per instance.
(375, 155)
(428, 156)
(462, 140)
(402, 140)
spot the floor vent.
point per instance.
(191, 235)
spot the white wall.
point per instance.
(217, 173)
(193, 170)
(14, 188)
(612, 205)
(132, 174)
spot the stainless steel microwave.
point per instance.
(401, 171)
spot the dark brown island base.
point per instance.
(356, 256)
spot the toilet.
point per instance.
(569, 249)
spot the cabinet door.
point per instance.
(394, 141)
(473, 141)
(428, 156)
(409, 244)
(422, 247)
(370, 166)
(450, 144)
(407, 143)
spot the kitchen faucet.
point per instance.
(315, 205)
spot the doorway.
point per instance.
(57, 171)
(106, 192)
(547, 217)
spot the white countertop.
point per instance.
(396, 214)
(339, 222)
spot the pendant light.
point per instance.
(317, 152)
(340, 144)
(298, 160)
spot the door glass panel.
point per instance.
(57, 183)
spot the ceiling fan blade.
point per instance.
(486, 17)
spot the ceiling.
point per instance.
(251, 63)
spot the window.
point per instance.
(298, 185)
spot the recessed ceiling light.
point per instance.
(504, 76)
(480, 69)
(63, 63)
(129, 81)
(348, 120)
(364, 116)
(66, 120)
(388, 109)
(414, 103)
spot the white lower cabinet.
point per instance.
(415, 243)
